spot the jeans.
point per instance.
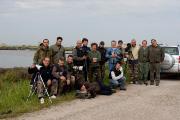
(121, 82)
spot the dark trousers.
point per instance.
(155, 69)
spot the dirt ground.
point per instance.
(139, 102)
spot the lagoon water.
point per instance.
(16, 58)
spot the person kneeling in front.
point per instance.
(117, 77)
(43, 80)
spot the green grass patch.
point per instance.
(14, 90)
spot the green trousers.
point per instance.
(143, 71)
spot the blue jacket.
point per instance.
(109, 55)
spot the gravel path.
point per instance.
(139, 102)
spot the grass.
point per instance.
(14, 89)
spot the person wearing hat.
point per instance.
(117, 77)
(120, 46)
(156, 57)
(103, 60)
(57, 50)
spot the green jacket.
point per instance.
(57, 53)
(156, 54)
(94, 54)
(40, 54)
(143, 54)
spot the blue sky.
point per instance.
(30, 21)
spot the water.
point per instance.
(17, 58)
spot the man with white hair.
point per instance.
(133, 61)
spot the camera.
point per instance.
(78, 68)
(38, 67)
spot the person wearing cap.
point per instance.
(156, 57)
(117, 77)
(42, 52)
(143, 63)
(57, 50)
(103, 60)
(120, 47)
(133, 61)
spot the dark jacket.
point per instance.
(156, 54)
(57, 53)
(103, 60)
(40, 54)
(45, 72)
(143, 54)
(59, 71)
(78, 56)
(70, 69)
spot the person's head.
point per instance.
(133, 42)
(101, 44)
(85, 41)
(78, 44)
(70, 59)
(59, 41)
(154, 42)
(144, 43)
(120, 43)
(61, 61)
(113, 44)
(94, 46)
(45, 43)
(46, 61)
(118, 65)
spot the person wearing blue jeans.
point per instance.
(113, 54)
(117, 77)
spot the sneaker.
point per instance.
(42, 100)
(53, 97)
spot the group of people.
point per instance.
(84, 70)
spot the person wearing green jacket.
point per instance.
(143, 63)
(94, 67)
(42, 52)
(156, 57)
(57, 50)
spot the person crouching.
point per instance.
(117, 77)
(44, 70)
(59, 73)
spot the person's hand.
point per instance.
(48, 82)
(62, 78)
(84, 57)
(68, 82)
(83, 88)
(33, 66)
(94, 60)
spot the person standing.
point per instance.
(120, 47)
(57, 50)
(143, 63)
(94, 57)
(85, 50)
(133, 61)
(156, 57)
(42, 52)
(103, 60)
(113, 55)
(79, 58)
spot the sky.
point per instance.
(31, 21)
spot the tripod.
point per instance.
(34, 87)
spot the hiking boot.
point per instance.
(157, 83)
(151, 83)
(42, 100)
(134, 82)
(123, 89)
(53, 97)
